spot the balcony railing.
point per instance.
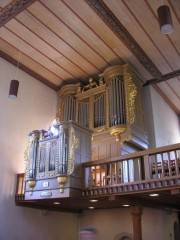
(145, 170)
(20, 189)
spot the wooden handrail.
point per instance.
(133, 155)
(145, 165)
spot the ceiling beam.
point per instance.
(116, 26)
(163, 78)
(13, 9)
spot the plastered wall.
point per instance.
(163, 124)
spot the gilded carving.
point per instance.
(91, 84)
(62, 180)
(101, 81)
(59, 112)
(32, 184)
(117, 131)
(26, 159)
(131, 92)
(73, 145)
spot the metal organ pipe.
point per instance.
(63, 148)
(117, 104)
(69, 109)
(111, 110)
(65, 111)
(121, 102)
(118, 100)
(85, 113)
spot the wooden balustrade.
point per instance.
(138, 171)
(20, 187)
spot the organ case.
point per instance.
(106, 107)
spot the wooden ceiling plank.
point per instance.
(93, 21)
(34, 53)
(111, 20)
(91, 18)
(79, 27)
(54, 23)
(62, 47)
(32, 39)
(29, 22)
(175, 6)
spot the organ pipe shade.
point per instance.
(165, 20)
(13, 90)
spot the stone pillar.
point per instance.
(136, 212)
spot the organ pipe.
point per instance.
(107, 106)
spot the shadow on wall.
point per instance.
(176, 231)
(124, 236)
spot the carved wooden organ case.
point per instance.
(54, 159)
(106, 107)
(99, 111)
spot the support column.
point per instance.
(136, 213)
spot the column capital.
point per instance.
(136, 210)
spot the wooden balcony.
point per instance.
(141, 171)
(123, 180)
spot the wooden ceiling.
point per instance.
(65, 41)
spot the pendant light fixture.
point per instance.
(13, 90)
(14, 85)
(165, 20)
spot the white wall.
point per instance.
(163, 124)
(34, 108)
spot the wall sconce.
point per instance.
(165, 20)
(13, 90)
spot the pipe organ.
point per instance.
(53, 160)
(103, 111)
(106, 106)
